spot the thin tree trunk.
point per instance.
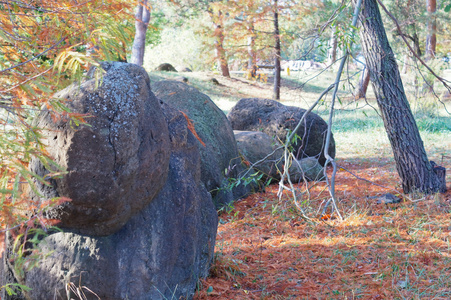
(142, 18)
(416, 44)
(363, 84)
(412, 164)
(431, 39)
(219, 47)
(252, 63)
(277, 69)
(406, 62)
(332, 52)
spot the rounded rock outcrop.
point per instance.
(275, 119)
(117, 162)
(220, 160)
(160, 253)
(261, 151)
(166, 68)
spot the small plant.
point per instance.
(26, 254)
(78, 290)
(13, 289)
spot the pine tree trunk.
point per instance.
(252, 63)
(141, 23)
(412, 164)
(277, 69)
(431, 39)
(219, 47)
(363, 84)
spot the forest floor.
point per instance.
(265, 250)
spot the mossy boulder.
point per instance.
(221, 163)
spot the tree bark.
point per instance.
(332, 51)
(277, 69)
(252, 63)
(431, 39)
(142, 18)
(412, 163)
(219, 47)
(363, 84)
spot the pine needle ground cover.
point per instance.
(264, 250)
(398, 251)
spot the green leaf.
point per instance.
(269, 182)
(210, 289)
(448, 8)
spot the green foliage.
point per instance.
(26, 255)
(44, 48)
(158, 21)
(13, 289)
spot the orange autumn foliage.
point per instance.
(45, 45)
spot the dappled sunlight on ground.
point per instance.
(265, 250)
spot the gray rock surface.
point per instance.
(116, 165)
(306, 169)
(274, 119)
(255, 146)
(386, 199)
(220, 152)
(159, 254)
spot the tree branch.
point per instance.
(34, 57)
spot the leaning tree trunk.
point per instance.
(412, 164)
(277, 69)
(142, 18)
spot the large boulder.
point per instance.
(118, 162)
(262, 151)
(306, 169)
(266, 155)
(159, 254)
(166, 68)
(275, 119)
(221, 163)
